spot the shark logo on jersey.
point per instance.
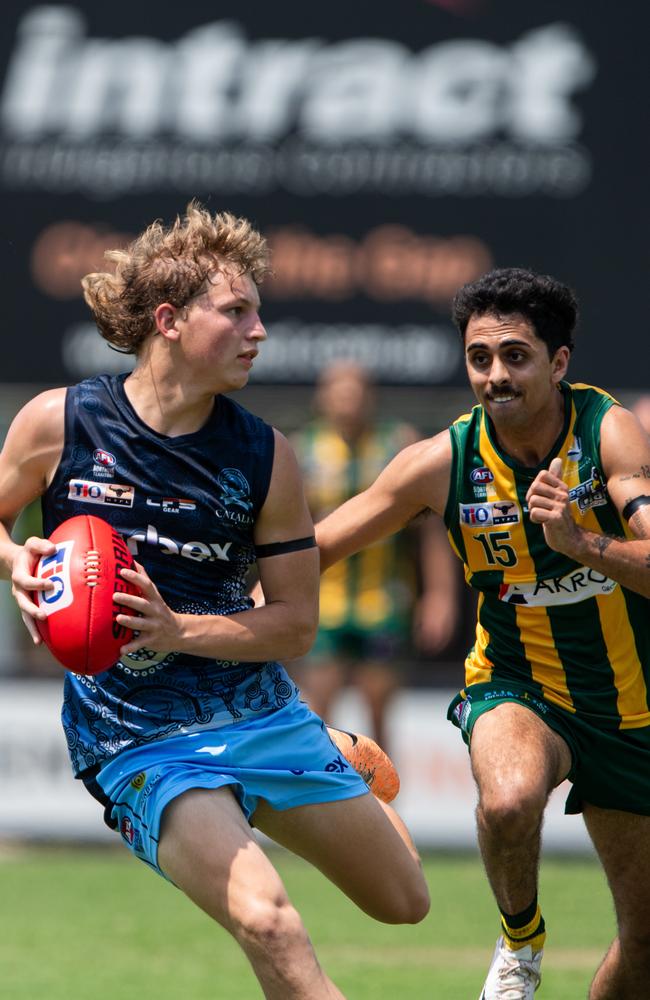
(235, 489)
(235, 504)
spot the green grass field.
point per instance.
(91, 925)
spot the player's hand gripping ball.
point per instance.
(80, 629)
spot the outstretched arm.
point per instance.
(625, 453)
(417, 479)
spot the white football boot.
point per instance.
(513, 975)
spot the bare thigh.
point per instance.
(516, 756)
(208, 850)
(357, 846)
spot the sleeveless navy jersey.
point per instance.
(187, 507)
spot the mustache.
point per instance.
(503, 390)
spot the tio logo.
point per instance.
(81, 489)
(52, 596)
(50, 568)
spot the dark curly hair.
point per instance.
(549, 306)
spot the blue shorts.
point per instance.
(285, 757)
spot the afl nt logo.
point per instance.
(104, 458)
(482, 475)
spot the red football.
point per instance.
(80, 629)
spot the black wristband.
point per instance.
(632, 507)
(279, 548)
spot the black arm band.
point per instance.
(279, 548)
(632, 507)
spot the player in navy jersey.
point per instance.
(197, 733)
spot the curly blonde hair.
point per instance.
(169, 264)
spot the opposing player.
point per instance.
(545, 491)
(197, 733)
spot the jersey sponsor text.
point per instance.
(570, 589)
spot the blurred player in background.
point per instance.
(197, 733)
(545, 491)
(369, 604)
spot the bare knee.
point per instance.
(404, 901)
(414, 904)
(511, 811)
(269, 926)
(418, 905)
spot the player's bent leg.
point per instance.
(622, 841)
(207, 849)
(517, 760)
(362, 847)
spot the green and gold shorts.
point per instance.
(610, 767)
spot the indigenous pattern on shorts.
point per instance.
(187, 507)
(580, 639)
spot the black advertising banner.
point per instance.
(390, 152)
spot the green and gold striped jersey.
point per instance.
(377, 586)
(575, 636)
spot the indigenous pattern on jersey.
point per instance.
(375, 587)
(574, 636)
(186, 506)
